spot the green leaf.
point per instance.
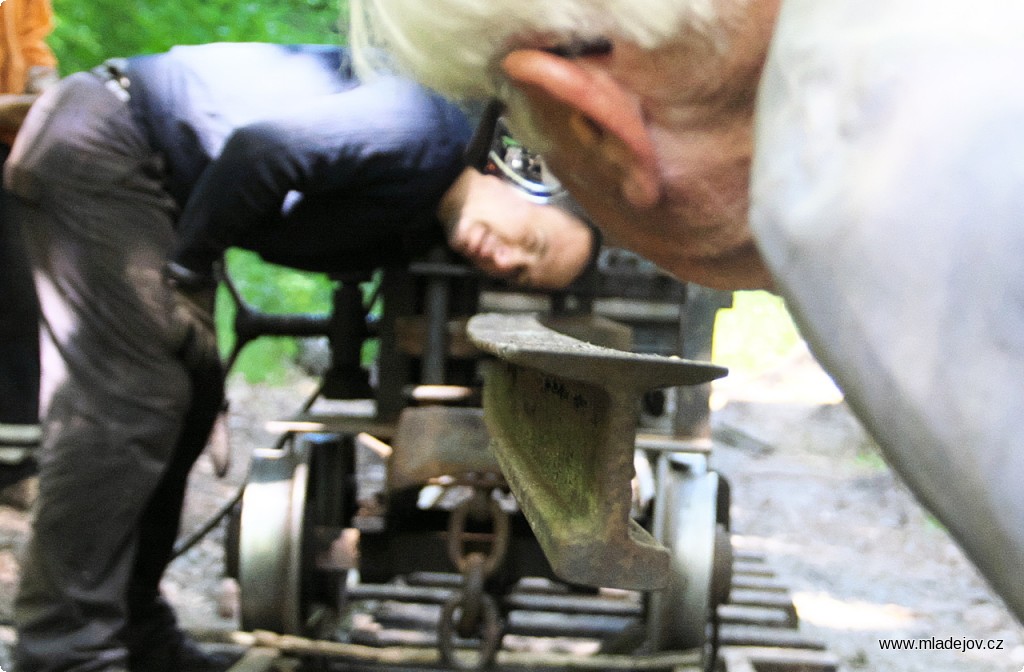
(87, 33)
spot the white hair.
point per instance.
(453, 46)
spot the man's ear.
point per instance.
(602, 113)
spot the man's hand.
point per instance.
(192, 318)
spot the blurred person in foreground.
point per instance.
(27, 66)
(130, 182)
(867, 165)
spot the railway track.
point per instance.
(393, 628)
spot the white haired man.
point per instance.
(865, 164)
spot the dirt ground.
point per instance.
(863, 560)
(810, 492)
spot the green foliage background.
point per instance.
(88, 32)
(755, 335)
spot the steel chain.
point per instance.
(457, 532)
(471, 610)
(472, 595)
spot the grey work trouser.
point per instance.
(124, 419)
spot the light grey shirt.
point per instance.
(888, 199)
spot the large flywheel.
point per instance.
(273, 544)
(688, 520)
(297, 500)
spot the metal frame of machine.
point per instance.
(411, 490)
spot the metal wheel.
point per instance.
(686, 520)
(274, 541)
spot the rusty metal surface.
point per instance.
(336, 423)
(524, 341)
(411, 332)
(563, 415)
(592, 329)
(434, 441)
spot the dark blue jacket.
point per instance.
(281, 150)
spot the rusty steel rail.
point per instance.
(562, 414)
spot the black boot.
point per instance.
(156, 644)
